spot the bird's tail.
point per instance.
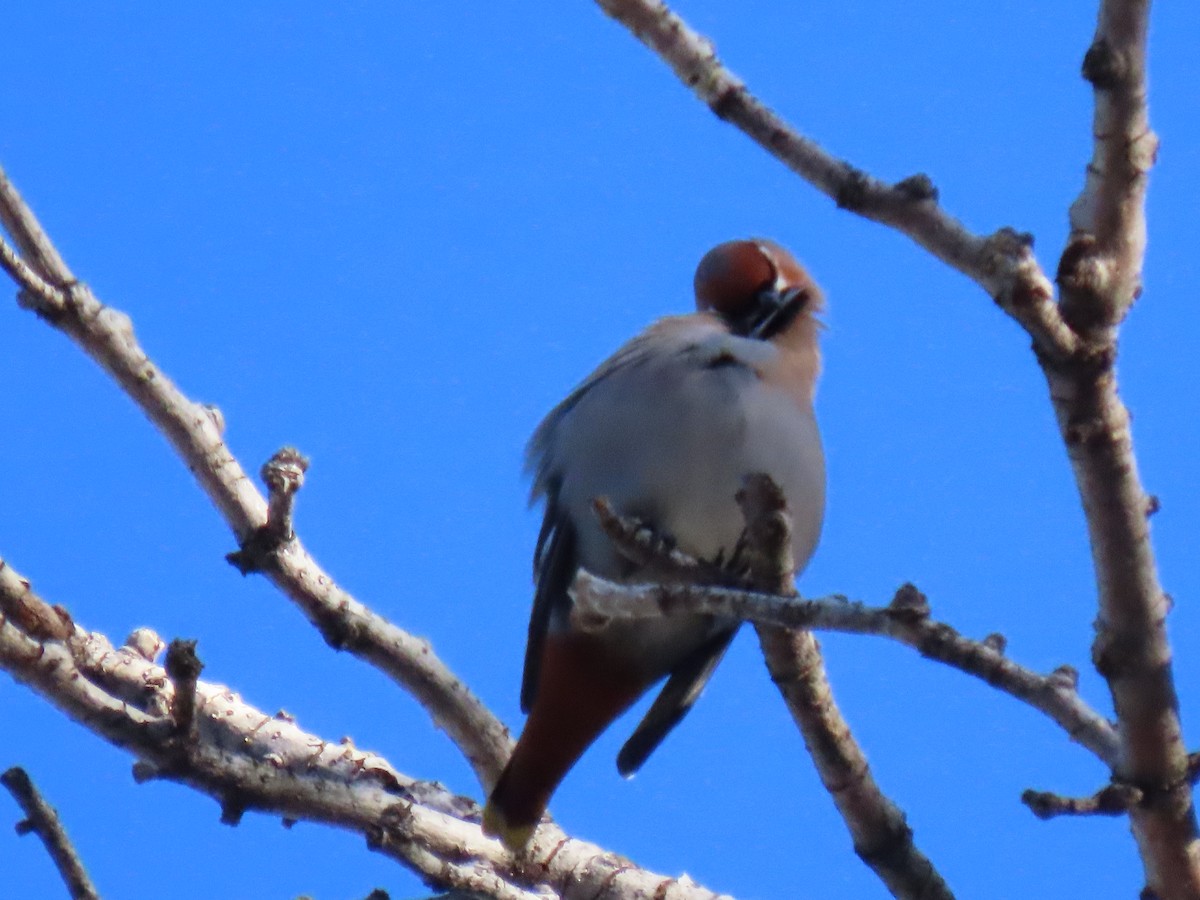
(582, 688)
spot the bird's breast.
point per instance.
(673, 447)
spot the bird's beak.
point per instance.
(775, 310)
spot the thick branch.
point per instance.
(194, 430)
(906, 620)
(41, 819)
(247, 760)
(1101, 272)
(1100, 277)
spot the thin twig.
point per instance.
(32, 242)
(1111, 800)
(906, 620)
(42, 819)
(283, 474)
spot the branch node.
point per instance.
(1103, 67)
(51, 309)
(1193, 767)
(996, 642)
(215, 416)
(184, 667)
(918, 188)
(283, 475)
(853, 190)
(233, 808)
(146, 643)
(909, 604)
(1065, 678)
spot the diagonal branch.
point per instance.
(882, 837)
(42, 819)
(763, 561)
(1002, 264)
(247, 760)
(195, 432)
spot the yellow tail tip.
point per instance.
(496, 824)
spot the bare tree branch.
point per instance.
(1100, 276)
(1003, 263)
(1111, 800)
(35, 246)
(906, 620)
(1101, 271)
(247, 760)
(882, 838)
(194, 431)
(41, 818)
(763, 561)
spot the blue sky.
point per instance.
(394, 235)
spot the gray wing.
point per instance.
(674, 701)
(632, 354)
(556, 558)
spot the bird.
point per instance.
(666, 430)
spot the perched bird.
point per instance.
(666, 429)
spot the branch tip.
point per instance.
(233, 809)
(183, 667)
(283, 475)
(1103, 67)
(909, 603)
(144, 772)
(146, 643)
(1065, 677)
(918, 188)
(1112, 800)
(42, 820)
(996, 642)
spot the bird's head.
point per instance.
(756, 287)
